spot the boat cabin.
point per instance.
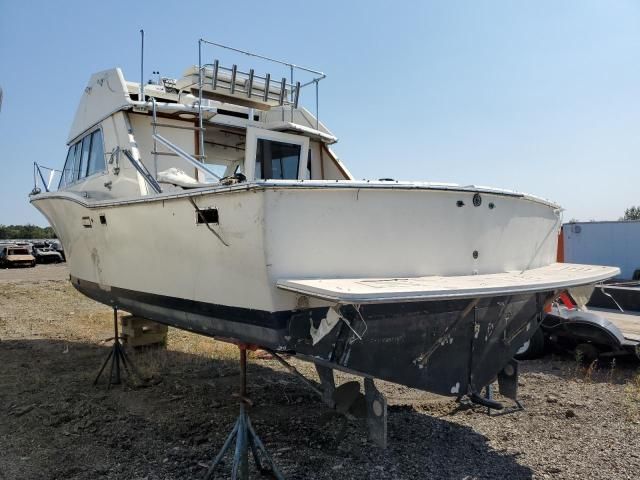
(213, 126)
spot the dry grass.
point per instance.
(55, 310)
(632, 400)
(590, 370)
(184, 349)
(191, 343)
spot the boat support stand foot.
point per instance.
(508, 385)
(376, 413)
(327, 385)
(376, 404)
(118, 357)
(245, 438)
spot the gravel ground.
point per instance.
(577, 423)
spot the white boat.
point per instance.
(214, 203)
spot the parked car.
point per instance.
(57, 246)
(15, 256)
(46, 255)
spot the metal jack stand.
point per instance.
(116, 355)
(508, 384)
(245, 437)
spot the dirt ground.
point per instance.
(578, 422)
(39, 273)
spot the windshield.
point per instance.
(18, 251)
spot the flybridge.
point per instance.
(264, 89)
(230, 84)
(247, 88)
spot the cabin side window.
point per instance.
(277, 160)
(66, 170)
(85, 157)
(273, 155)
(96, 155)
(71, 165)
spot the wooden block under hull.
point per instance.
(138, 331)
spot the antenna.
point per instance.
(141, 66)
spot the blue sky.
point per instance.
(537, 96)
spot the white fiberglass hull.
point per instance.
(154, 244)
(150, 256)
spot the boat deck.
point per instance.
(628, 322)
(384, 290)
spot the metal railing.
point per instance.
(184, 155)
(246, 81)
(239, 82)
(142, 170)
(253, 87)
(175, 150)
(37, 175)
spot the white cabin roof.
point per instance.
(105, 94)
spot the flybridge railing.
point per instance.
(294, 87)
(245, 82)
(259, 91)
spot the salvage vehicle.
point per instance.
(57, 246)
(587, 333)
(46, 255)
(13, 256)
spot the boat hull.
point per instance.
(268, 232)
(448, 347)
(152, 257)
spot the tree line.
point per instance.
(632, 213)
(25, 232)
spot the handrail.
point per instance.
(36, 167)
(184, 155)
(154, 124)
(143, 171)
(37, 172)
(295, 86)
(250, 77)
(251, 54)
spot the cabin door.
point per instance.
(273, 155)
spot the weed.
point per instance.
(632, 398)
(579, 363)
(590, 370)
(612, 369)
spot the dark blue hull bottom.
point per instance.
(449, 347)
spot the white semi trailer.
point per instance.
(615, 243)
